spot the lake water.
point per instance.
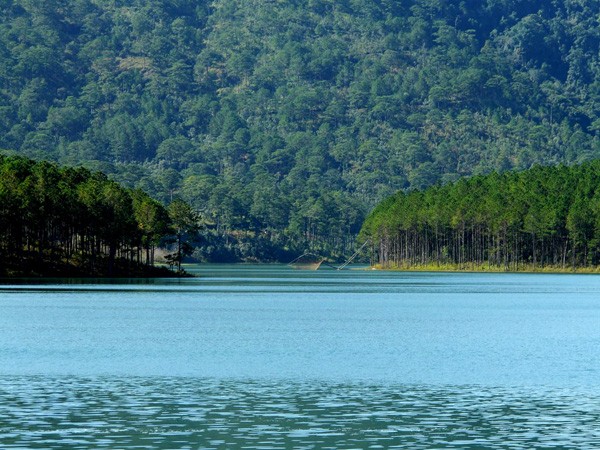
(268, 357)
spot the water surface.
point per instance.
(269, 357)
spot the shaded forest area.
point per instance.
(73, 222)
(545, 217)
(284, 123)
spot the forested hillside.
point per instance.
(284, 122)
(539, 218)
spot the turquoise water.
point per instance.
(269, 357)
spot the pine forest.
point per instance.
(542, 218)
(70, 221)
(283, 123)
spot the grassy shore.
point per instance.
(485, 268)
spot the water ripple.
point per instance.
(140, 413)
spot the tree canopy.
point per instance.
(545, 216)
(291, 120)
(70, 221)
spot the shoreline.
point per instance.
(455, 268)
(32, 268)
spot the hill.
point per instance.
(284, 123)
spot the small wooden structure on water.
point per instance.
(307, 261)
(310, 261)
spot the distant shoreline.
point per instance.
(451, 268)
(122, 268)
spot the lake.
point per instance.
(269, 357)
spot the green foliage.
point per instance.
(67, 215)
(275, 117)
(540, 217)
(184, 222)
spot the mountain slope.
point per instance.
(290, 120)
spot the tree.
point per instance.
(152, 222)
(184, 223)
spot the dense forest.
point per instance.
(539, 218)
(70, 221)
(284, 123)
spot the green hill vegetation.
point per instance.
(542, 218)
(72, 222)
(284, 122)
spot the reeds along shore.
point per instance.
(524, 268)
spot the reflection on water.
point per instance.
(279, 279)
(203, 413)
